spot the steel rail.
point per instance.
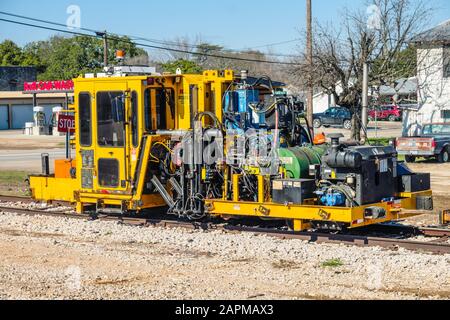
(356, 240)
(349, 239)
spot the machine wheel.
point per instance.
(317, 123)
(290, 224)
(444, 156)
(392, 118)
(410, 159)
(348, 124)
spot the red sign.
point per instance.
(66, 123)
(48, 86)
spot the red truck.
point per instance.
(434, 142)
(391, 113)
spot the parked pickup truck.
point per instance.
(434, 142)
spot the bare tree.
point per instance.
(379, 36)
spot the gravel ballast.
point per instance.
(60, 258)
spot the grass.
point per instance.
(384, 142)
(380, 141)
(10, 177)
(13, 183)
(332, 263)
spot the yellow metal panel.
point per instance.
(261, 188)
(300, 225)
(236, 178)
(53, 189)
(409, 201)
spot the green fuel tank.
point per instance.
(297, 160)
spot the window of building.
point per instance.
(446, 62)
(110, 119)
(445, 114)
(134, 119)
(85, 126)
(108, 173)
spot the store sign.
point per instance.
(66, 123)
(48, 86)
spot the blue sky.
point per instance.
(236, 24)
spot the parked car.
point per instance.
(434, 142)
(335, 116)
(391, 113)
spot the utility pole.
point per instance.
(365, 101)
(105, 49)
(104, 35)
(309, 57)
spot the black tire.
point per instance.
(410, 159)
(348, 125)
(444, 156)
(317, 123)
(392, 118)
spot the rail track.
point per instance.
(392, 236)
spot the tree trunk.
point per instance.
(356, 124)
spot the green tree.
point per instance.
(66, 58)
(122, 43)
(403, 64)
(31, 57)
(10, 54)
(186, 66)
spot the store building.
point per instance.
(20, 92)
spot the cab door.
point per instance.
(112, 137)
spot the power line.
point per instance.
(149, 46)
(276, 43)
(159, 42)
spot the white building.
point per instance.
(322, 100)
(433, 77)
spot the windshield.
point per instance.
(431, 129)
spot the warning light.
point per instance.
(120, 55)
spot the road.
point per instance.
(382, 129)
(28, 160)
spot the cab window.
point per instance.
(148, 110)
(110, 119)
(84, 109)
(161, 109)
(158, 103)
(108, 173)
(134, 119)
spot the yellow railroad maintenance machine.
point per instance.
(223, 145)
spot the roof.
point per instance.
(402, 87)
(439, 34)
